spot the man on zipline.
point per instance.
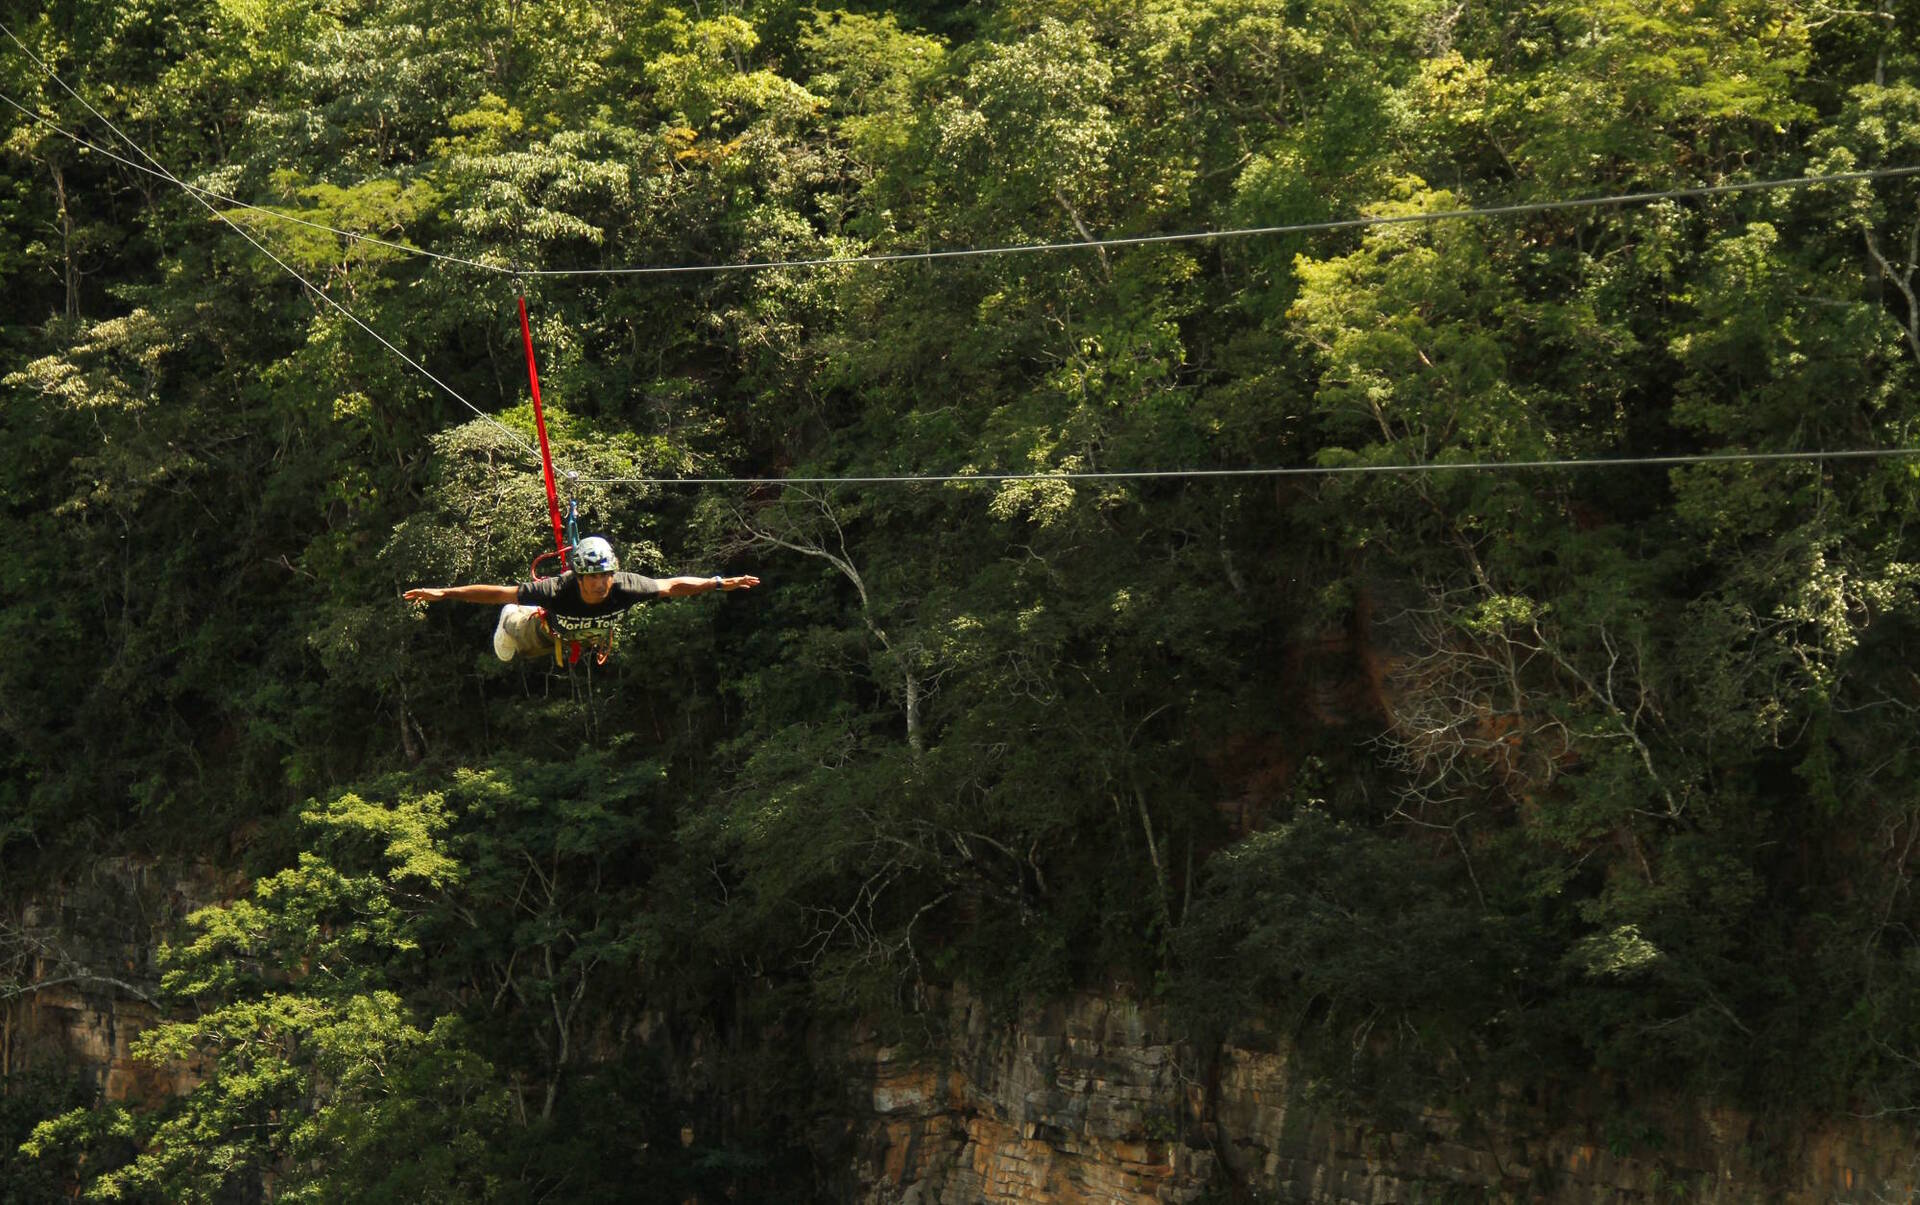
(579, 605)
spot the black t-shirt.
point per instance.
(568, 613)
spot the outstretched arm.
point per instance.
(469, 594)
(686, 587)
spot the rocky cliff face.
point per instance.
(82, 960)
(1094, 1099)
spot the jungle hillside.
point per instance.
(1582, 747)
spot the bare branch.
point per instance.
(1902, 280)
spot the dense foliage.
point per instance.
(1457, 778)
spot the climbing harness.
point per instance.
(561, 548)
(565, 538)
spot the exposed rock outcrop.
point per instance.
(82, 965)
(1090, 1098)
(1094, 1099)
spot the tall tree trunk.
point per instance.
(70, 270)
(913, 711)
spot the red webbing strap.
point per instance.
(540, 424)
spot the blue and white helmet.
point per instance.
(594, 555)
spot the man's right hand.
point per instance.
(488, 595)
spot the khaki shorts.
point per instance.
(521, 633)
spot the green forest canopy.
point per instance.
(1524, 775)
